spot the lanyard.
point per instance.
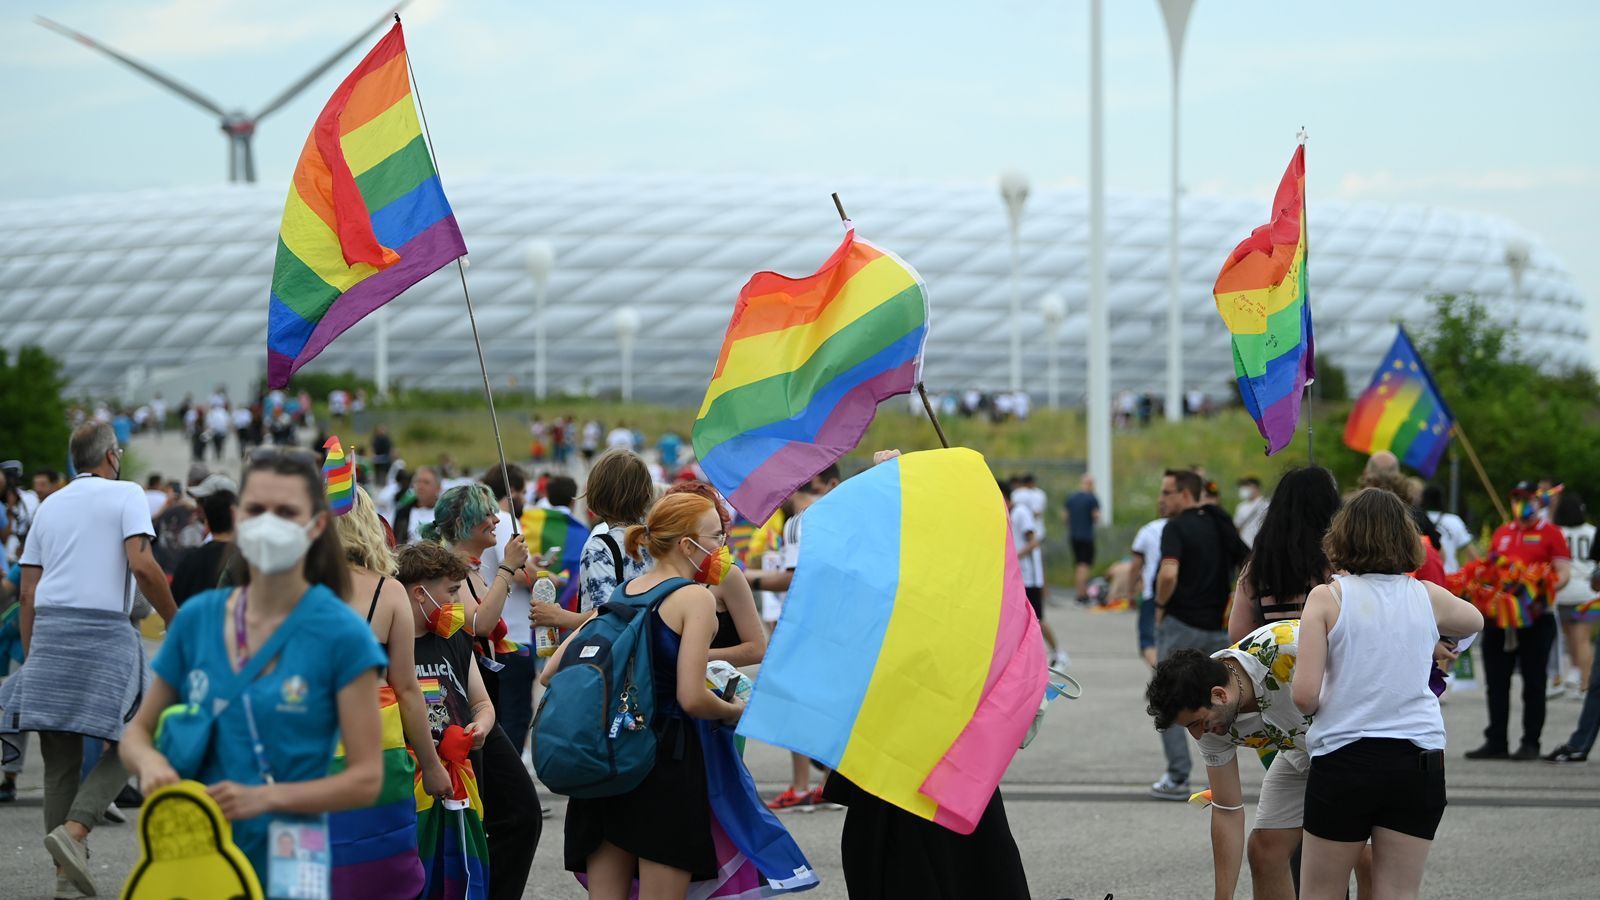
(242, 642)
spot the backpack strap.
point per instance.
(616, 554)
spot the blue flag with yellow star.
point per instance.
(1402, 412)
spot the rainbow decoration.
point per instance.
(543, 528)
(1510, 594)
(1263, 295)
(802, 369)
(339, 474)
(1401, 411)
(450, 837)
(1588, 611)
(908, 562)
(366, 216)
(377, 846)
(431, 691)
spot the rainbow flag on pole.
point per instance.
(366, 216)
(802, 370)
(907, 657)
(339, 475)
(1263, 295)
(1401, 411)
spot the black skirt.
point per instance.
(666, 819)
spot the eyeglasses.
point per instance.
(720, 538)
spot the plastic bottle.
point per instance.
(546, 638)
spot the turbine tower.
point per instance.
(239, 126)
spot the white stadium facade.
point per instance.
(169, 287)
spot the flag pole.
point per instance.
(1311, 436)
(1472, 457)
(921, 391)
(477, 343)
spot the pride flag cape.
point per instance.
(803, 368)
(907, 657)
(339, 475)
(543, 528)
(1262, 294)
(377, 845)
(450, 836)
(1401, 411)
(366, 216)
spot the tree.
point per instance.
(35, 417)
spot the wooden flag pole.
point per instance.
(1472, 456)
(461, 269)
(921, 391)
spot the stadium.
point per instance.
(167, 288)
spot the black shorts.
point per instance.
(1375, 783)
(1083, 552)
(1035, 597)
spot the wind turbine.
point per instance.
(239, 126)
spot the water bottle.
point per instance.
(546, 638)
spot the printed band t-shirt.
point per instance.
(443, 667)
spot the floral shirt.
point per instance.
(597, 568)
(1268, 655)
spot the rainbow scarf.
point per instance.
(802, 369)
(543, 528)
(378, 845)
(366, 216)
(450, 835)
(1401, 411)
(1263, 296)
(1510, 594)
(908, 562)
(338, 474)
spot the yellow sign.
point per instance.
(186, 850)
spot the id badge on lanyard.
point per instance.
(298, 859)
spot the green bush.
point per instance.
(31, 407)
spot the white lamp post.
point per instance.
(1014, 191)
(541, 259)
(627, 322)
(1053, 308)
(1176, 14)
(1099, 380)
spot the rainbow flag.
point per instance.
(1263, 295)
(339, 474)
(451, 842)
(366, 216)
(431, 691)
(377, 845)
(907, 563)
(1401, 411)
(803, 367)
(1588, 611)
(544, 528)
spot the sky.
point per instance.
(1472, 105)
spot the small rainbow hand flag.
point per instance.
(1402, 411)
(339, 474)
(1263, 296)
(803, 367)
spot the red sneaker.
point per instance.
(814, 796)
(792, 801)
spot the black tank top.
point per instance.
(727, 633)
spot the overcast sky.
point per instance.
(1475, 105)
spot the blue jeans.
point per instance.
(514, 710)
(1147, 623)
(1582, 739)
(1173, 635)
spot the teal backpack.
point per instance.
(593, 735)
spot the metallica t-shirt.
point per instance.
(443, 666)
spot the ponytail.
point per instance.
(674, 517)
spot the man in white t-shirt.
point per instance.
(1454, 537)
(1028, 493)
(87, 549)
(620, 438)
(412, 515)
(1251, 511)
(1146, 552)
(219, 422)
(1027, 536)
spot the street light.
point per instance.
(1053, 308)
(1176, 14)
(1099, 381)
(1014, 191)
(627, 322)
(541, 259)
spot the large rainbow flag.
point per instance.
(450, 838)
(544, 528)
(1263, 296)
(907, 657)
(366, 216)
(803, 368)
(377, 845)
(1401, 411)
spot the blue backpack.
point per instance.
(593, 734)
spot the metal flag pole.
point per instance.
(1305, 275)
(921, 391)
(477, 343)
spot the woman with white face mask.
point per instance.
(277, 671)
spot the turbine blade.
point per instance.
(166, 81)
(293, 90)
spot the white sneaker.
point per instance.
(65, 889)
(1060, 661)
(1167, 789)
(72, 857)
(1555, 690)
(115, 816)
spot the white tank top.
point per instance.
(1379, 655)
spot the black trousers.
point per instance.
(1531, 658)
(511, 817)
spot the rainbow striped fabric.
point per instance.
(803, 367)
(544, 528)
(366, 216)
(339, 474)
(1401, 411)
(1263, 295)
(375, 849)
(1588, 611)
(451, 842)
(908, 562)
(431, 691)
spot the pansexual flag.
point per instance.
(1262, 294)
(366, 216)
(339, 475)
(907, 657)
(1401, 411)
(802, 369)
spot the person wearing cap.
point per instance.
(180, 527)
(1525, 540)
(201, 568)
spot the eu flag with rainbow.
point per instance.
(1401, 411)
(802, 369)
(907, 657)
(1264, 299)
(366, 216)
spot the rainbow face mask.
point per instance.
(715, 566)
(446, 618)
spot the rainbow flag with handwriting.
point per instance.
(366, 216)
(339, 476)
(1401, 411)
(803, 367)
(1264, 298)
(907, 658)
